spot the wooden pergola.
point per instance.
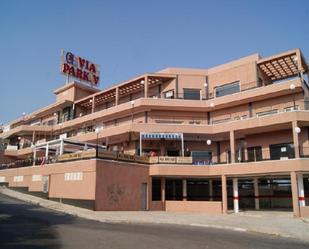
(283, 66)
(129, 87)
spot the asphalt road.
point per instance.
(24, 225)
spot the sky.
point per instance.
(130, 38)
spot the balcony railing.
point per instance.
(148, 160)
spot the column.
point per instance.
(256, 193)
(92, 107)
(149, 195)
(184, 189)
(294, 194)
(232, 146)
(224, 194)
(140, 143)
(117, 96)
(34, 155)
(182, 146)
(299, 65)
(163, 192)
(33, 137)
(146, 87)
(235, 195)
(295, 139)
(301, 192)
(61, 147)
(210, 189)
(46, 151)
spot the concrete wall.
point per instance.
(59, 187)
(119, 185)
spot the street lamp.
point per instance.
(208, 142)
(292, 88)
(297, 130)
(18, 144)
(97, 131)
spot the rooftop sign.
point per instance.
(79, 68)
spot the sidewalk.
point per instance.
(274, 223)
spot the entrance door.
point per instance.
(144, 196)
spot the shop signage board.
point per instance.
(79, 68)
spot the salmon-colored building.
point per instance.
(232, 137)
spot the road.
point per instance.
(23, 225)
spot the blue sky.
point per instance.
(128, 38)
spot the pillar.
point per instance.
(224, 194)
(295, 139)
(61, 147)
(163, 192)
(162, 147)
(146, 87)
(235, 195)
(295, 200)
(182, 146)
(149, 195)
(117, 96)
(301, 192)
(210, 189)
(46, 151)
(34, 155)
(256, 193)
(299, 65)
(92, 107)
(184, 189)
(232, 146)
(33, 137)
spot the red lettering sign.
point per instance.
(80, 68)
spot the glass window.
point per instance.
(227, 89)
(173, 189)
(266, 113)
(281, 151)
(254, 153)
(201, 157)
(156, 189)
(189, 93)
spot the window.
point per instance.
(291, 108)
(227, 89)
(156, 189)
(266, 113)
(254, 153)
(201, 157)
(189, 93)
(281, 151)
(173, 189)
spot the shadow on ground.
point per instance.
(26, 226)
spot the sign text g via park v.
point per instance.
(79, 68)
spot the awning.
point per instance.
(173, 136)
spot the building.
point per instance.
(235, 136)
